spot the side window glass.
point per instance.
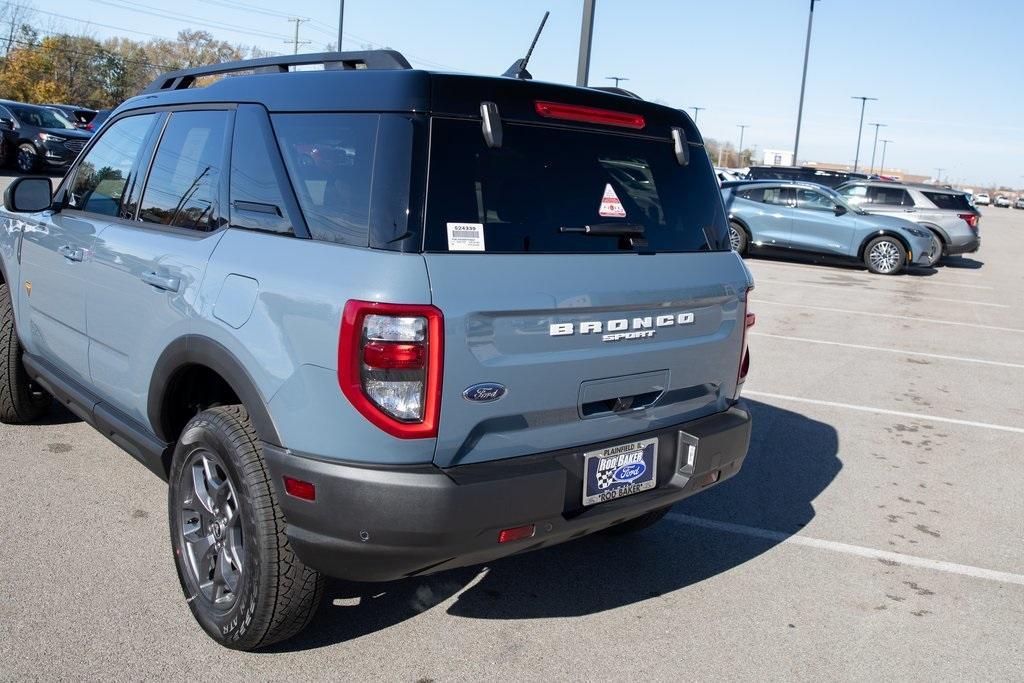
(257, 202)
(103, 174)
(184, 181)
(855, 194)
(815, 201)
(330, 159)
(754, 195)
(775, 195)
(892, 196)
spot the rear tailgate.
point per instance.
(594, 336)
(561, 389)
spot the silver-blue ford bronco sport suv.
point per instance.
(373, 322)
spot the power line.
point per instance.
(296, 42)
(85, 21)
(178, 16)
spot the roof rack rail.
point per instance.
(366, 59)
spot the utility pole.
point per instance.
(696, 110)
(938, 175)
(296, 42)
(616, 79)
(341, 20)
(803, 85)
(860, 127)
(586, 39)
(881, 168)
(874, 147)
(739, 152)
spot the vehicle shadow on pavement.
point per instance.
(57, 414)
(964, 262)
(835, 263)
(792, 460)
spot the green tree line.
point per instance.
(74, 69)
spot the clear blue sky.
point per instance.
(946, 73)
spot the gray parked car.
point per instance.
(375, 322)
(806, 217)
(947, 213)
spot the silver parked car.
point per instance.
(947, 213)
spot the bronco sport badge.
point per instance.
(622, 328)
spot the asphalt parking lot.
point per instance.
(875, 530)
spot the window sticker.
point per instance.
(466, 236)
(611, 207)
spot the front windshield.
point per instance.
(41, 117)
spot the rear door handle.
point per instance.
(71, 253)
(171, 284)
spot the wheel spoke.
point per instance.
(199, 489)
(228, 573)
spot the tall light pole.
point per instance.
(739, 152)
(341, 20)
(803, 84)
(586, 39)
(860, 127)
(874, 147)
(696, 110)
(938, 175)
(616, 79)
(881, 168)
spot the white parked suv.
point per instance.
(982, 199)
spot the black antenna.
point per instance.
(518, 68)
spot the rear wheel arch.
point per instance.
(939, 232)
(194, 373)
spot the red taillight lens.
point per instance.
(299, 489)
(576, 112)
(516, 533)
(394, 355)
(389, 365)
(971, 219)
(748, 321)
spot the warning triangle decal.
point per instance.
(611, 207)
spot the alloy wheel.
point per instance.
(734, 238)
(885, 256)
(26, 160)
(211, 528)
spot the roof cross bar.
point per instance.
(365, 59)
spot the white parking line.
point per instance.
(902, 352)
(892, 292)
(885, 411)
(848, 549)
(754, 264)
(936, 321)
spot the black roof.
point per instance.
(382, 81)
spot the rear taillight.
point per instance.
(389, 365)
(748, 321)
(576, 112)
(971, 219)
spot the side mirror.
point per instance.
(6, 123)
(28, 194)
(840, 209)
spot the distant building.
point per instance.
(777, 157)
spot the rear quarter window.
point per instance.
(947, 200)
(544, 178)
(889, 196)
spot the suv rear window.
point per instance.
(544, 178)
(948, 200)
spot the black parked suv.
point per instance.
(37, 138)
(808, 174)
(80, 116)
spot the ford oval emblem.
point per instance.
(630, 472)
(485, 392)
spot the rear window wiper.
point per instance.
(607, 229)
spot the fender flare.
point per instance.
(192, 349)
(937, 229)
(733, 218)
(882, 233)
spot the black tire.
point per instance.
(27, 158)
(20, 400)
(738, 238)
(275, 595)
(885, 255)
(637, 523)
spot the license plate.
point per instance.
(619, 471)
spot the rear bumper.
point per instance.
(380, 524)
(968, 246)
